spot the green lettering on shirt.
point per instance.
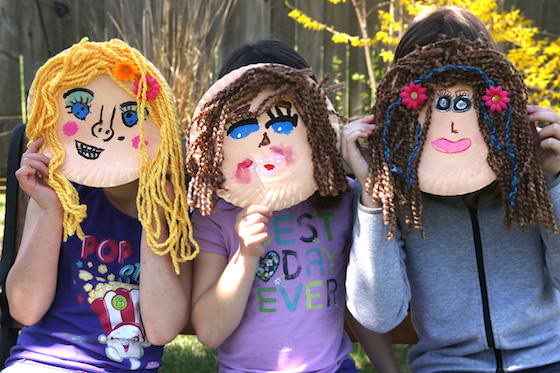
(310, 296)
(263, 300)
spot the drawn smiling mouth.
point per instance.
(451, 147)
(87, 151)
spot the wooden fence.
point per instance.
(33, 30)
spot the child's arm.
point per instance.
(165, 297)
(376, 284)
(550, 144)
(377, 346)
(221, 289)
(31, 282)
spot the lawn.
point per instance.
(186, 354)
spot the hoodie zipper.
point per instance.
(484, 290)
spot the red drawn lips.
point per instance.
(448, 146)
(269, 166)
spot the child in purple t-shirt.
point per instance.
(98, 300)
(269, 281)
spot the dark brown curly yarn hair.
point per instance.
(396, 144)
(205, 153)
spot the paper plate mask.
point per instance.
(452, 119)
(107, 119)
(263, 134)
(99, 129)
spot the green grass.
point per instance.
(186, 354)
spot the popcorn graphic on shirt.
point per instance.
(117, 306)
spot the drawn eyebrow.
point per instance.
(240, 123)
(67, 93)
(462, 92)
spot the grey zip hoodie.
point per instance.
(481, 296)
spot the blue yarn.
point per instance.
(409, 175)
(413, 154)
(512, 158)
(386, 150)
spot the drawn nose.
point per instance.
(453, 130)
(265, 140)
(103, 129)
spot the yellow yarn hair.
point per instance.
(76, 67)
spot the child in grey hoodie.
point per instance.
(458, 214)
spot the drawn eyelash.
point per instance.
(463, 93)
(80, 99)
(133, 107)
(442, 92)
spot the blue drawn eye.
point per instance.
(283, 127)
(243, 130)
(80, 110)
(129, 118)
(443, 103)
(462, 104)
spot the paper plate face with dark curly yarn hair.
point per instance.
(267, 159)
(453, 160)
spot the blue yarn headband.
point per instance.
(409, 173)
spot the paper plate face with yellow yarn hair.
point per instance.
(98, 129)
(267, 159)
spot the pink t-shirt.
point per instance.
(294, 320)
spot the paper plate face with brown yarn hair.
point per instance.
(453, 160)
(267, 159)
(99, 131)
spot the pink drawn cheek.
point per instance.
(478, 140)
(136, 142)
(242, 174)
(70, 128)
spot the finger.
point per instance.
(35, 145)
(552, 130)
(36, 156)
(358, 125)
(259, 209)
(24, 172)
(257, 239)
(535, 108)
(39, 167)
(254, 229)
(548, 116)
(369, 119)
(552, 144)
(255, 218)
(261, 237)
(353, 135)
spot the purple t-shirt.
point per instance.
(94, 322)
(294, 319)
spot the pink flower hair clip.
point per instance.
(153, 87)
(496, 99)
(413, 95)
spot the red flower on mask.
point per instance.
(496, 99)
(153, 87)
(414, 95)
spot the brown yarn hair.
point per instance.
(402, 199)
(205, 152)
